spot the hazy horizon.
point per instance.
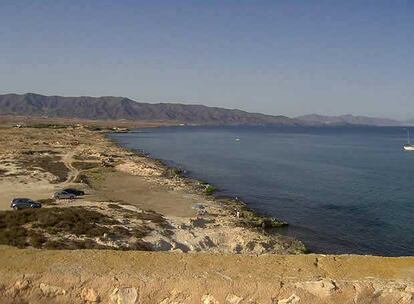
(278, 58)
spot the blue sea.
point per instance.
(342, 190)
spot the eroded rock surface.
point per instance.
(103, 276)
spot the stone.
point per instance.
(90, 295)
(51, 291)
(22, 285)
(124, 295)
(363, 291)
(233, 299)
(17, 287)
(170, 301)
(293, 299)
(175, 297)
(322, 288)
(208, 299)
(410, 289)
(396, 296)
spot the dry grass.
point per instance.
(52, 164)
(14, 225)
(85, 165)
(73, 220)
(172, 172)
(33, 227)
(47, 201)
(83, 179)
(115, 206)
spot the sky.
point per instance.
(276, 57)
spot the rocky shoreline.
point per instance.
(248, 216)
(245, 216)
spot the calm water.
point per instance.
(343, 190)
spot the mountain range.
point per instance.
(121, 108)
(117, 108)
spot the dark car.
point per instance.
(63, 195)
(24, 203)
(74, 191)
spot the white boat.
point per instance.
(409, 146)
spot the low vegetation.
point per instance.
(97, 174)
(52, 227)
(47, 201)
(115, 206)
(152, 217)
(94, 128)
(48, 126)
(39, 152)
(85, 165)
(210, 189)
(74, 220)
(83, 179)
(249, 218)
(173, 172)
(85, 157)
(147, 215)
(52, 164)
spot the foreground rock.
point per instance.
(101, 276)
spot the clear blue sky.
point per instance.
(277, 57)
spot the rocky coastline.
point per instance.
(105, 247)
(244, 215)
(133, 202)
(247, 216)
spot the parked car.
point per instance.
(74, 191)
(63, 195)
(24, 203)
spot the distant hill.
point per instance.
(118, 108)
(348, 120)
(410, 122)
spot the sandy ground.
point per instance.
(137, 277)
(16, 178)
(121, 186)
(35, 190)
(116, 186)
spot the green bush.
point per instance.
(173, 172)
(210, 189)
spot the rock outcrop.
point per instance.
(101, 276)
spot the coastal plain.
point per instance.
(131, 202)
